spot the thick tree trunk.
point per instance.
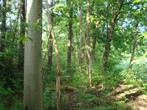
(22, 34)
(70, 35)
(32, 57)
(89, 56)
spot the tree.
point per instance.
(22, 34)
(81, 32)
(54, 44)
(3, 25)
(70, 34)
(32, 57)
(110, 29)
(89, 56)
(0, 25)
(134, 46)
(58, 74)
(50, 40)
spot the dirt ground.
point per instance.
(136, 99)
(133, 97)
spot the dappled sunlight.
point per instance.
(73, 55)
(140, 103)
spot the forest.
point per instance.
(73, 54)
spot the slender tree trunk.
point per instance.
(58, 71)
(93, 45)
(0, 26)
(107, 49)
(58, 74)
(110, 30)
(32, 57)
(22, 34)
(133, 53)
(134, 46)
(50, 40)
(70, 35)
(95, 28)
(81, 55)
(89, 56)
(3, 36)
(50, 52)
(3, 25)
(88, 23)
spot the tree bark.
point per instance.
(133, 52)
(134, 46)
(89, 56)
(3, 25)
(50, 40)
(81, 55)
(0, 27)
(58, 71)
(110, 30)
(70, 35)
(93, 45)
(32, 57)
(58, 74)
(22, 34)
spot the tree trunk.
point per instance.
(58, 71)
(3, 25)
(134, 46)
(70, 35)
(0, 27)
(133, 52)
(81, 55)
(50, 52)
(58, 74)
(110, 29)
(32, 57)
(93, 45)
(50, 40)
(106, 53)
(88, 43)
(22, 34)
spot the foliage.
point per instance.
(130, 25)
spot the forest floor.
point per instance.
(121, 97)
(135, 99)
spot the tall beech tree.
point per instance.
(90, 48)
(32, 57)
